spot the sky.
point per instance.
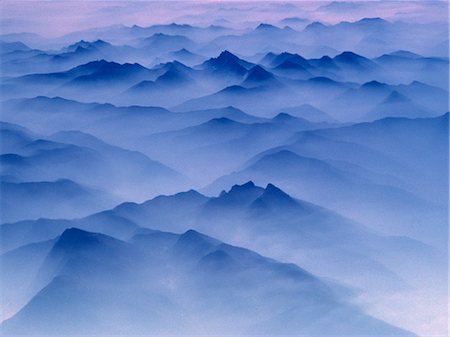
(56, 18)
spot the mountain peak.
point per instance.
(323, 80)
(273, 197)
(238, 195)
(316, 25)
(217, 260)
(288, 64)
(178, 25)
(75, 238)
(109, 69)
(348, 56)
(173, 65)
(190, 195)
(160, 35)
(222, 121)
(286, 54)
(226, 56)
(283, 117)
(162, 40)
(258, 74)
(234, 89)
(100, 42)
(282, 157)
(374, 85)
(288, 61)
(396, 97)
(247, 185)
(83, 45)
(172, 76)
(325, 62)
(191, 233)
(183, 52)
(268, 58)
(266, 26)
(405, 54)
(226, 62)
(194, 243)
(353, 59)
(272, 189)
(376, 20)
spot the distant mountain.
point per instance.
(298, 122)
(185, 56)
(291, 58)
(22, 264)
(431, 97)
(229, 112)
(290, 65)
(346, 35)
(106, 71)
(14, 137)
(95, 75)
(173, 79)
(243, 98)
(8, 47)
(81, 52)
(351, 60)
(308, 89)
(179, 81)
(98, 44)
(295, 22)
(98, 119)
(362, 99)
(405, 53)
(265, 27)
(315, 27)
(372, 23)
(191, 137)
(267, 59)
(310, 170)
(407, 67)
(29, 39)
(324, 63)
(274, 198)
(30, 159)
(239, 196)
(292, 69)
(397, 105)
(174, 75)
(31, 200)
(258, 75)
(160, 42)
(224, 141)
(389, 154)
(419, 100)
(308, 112)
(228, 64)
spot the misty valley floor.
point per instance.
(232, 169)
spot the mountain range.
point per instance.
(224, 169)
(170, 272)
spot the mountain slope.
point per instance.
(101, 277)
(35, 199)
(33, 158)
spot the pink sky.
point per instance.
(56, 18)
